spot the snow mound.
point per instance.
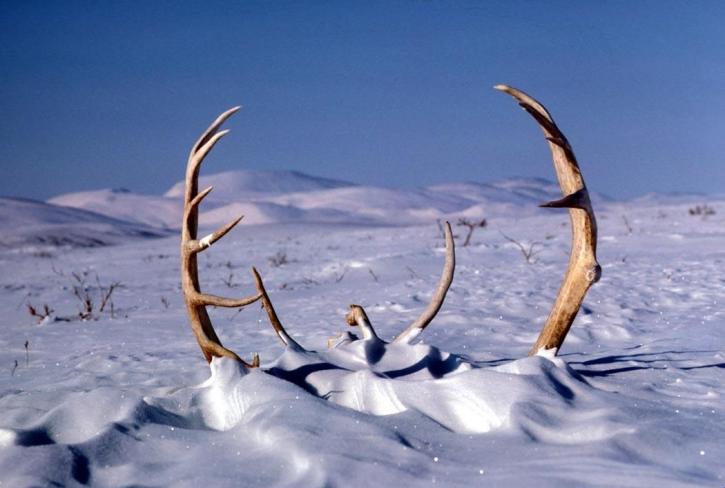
(374, 377)
(92, 436)
(240, 184)
(32, 223)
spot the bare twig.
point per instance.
(702, 210)
(342, 275)
(412, 272)
(626, 224)
(106, 295)
(86, 311)
(47, 311)
(85, 295)
(472, 225)
(528, 252)
(229, 281)
(279, 259)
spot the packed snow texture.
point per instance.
(635, 397)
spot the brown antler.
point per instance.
(583, 269)
(272, 314)
(196, 302)
(439, 296)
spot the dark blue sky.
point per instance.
(112, 94)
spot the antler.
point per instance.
(582, 272)
(357, 317)
(439, 296)
(272, 314)
(583, 269)
(196, 301)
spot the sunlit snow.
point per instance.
(634, 398)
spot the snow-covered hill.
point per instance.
(287, 196)
(32, 223)
(151, 210)
(243, 184)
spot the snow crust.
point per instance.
(635, 397)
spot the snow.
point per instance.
(240, 184)
(265, 197)
(635, 397)
(31, 223)
(124, 205)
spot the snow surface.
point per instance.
(635, 397)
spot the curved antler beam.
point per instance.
(439, 296)
(583, 269)
(196, 301)
(279, 329)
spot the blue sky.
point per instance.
(112, 94)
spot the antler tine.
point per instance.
(272, 314)
(213, 128)
(357, 317)
(198, 152)
(206, 241)
(196, 302)
(583, 269)
(217, 301)
(439, 296)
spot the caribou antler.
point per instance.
(439, 296)
(583, 269)
(357, 316)
(196, 301)
(582, 272)
(272, 314)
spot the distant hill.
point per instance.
(28, 222)
(236, 185)
(516, 191)
(265, 197)
(152, 210)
